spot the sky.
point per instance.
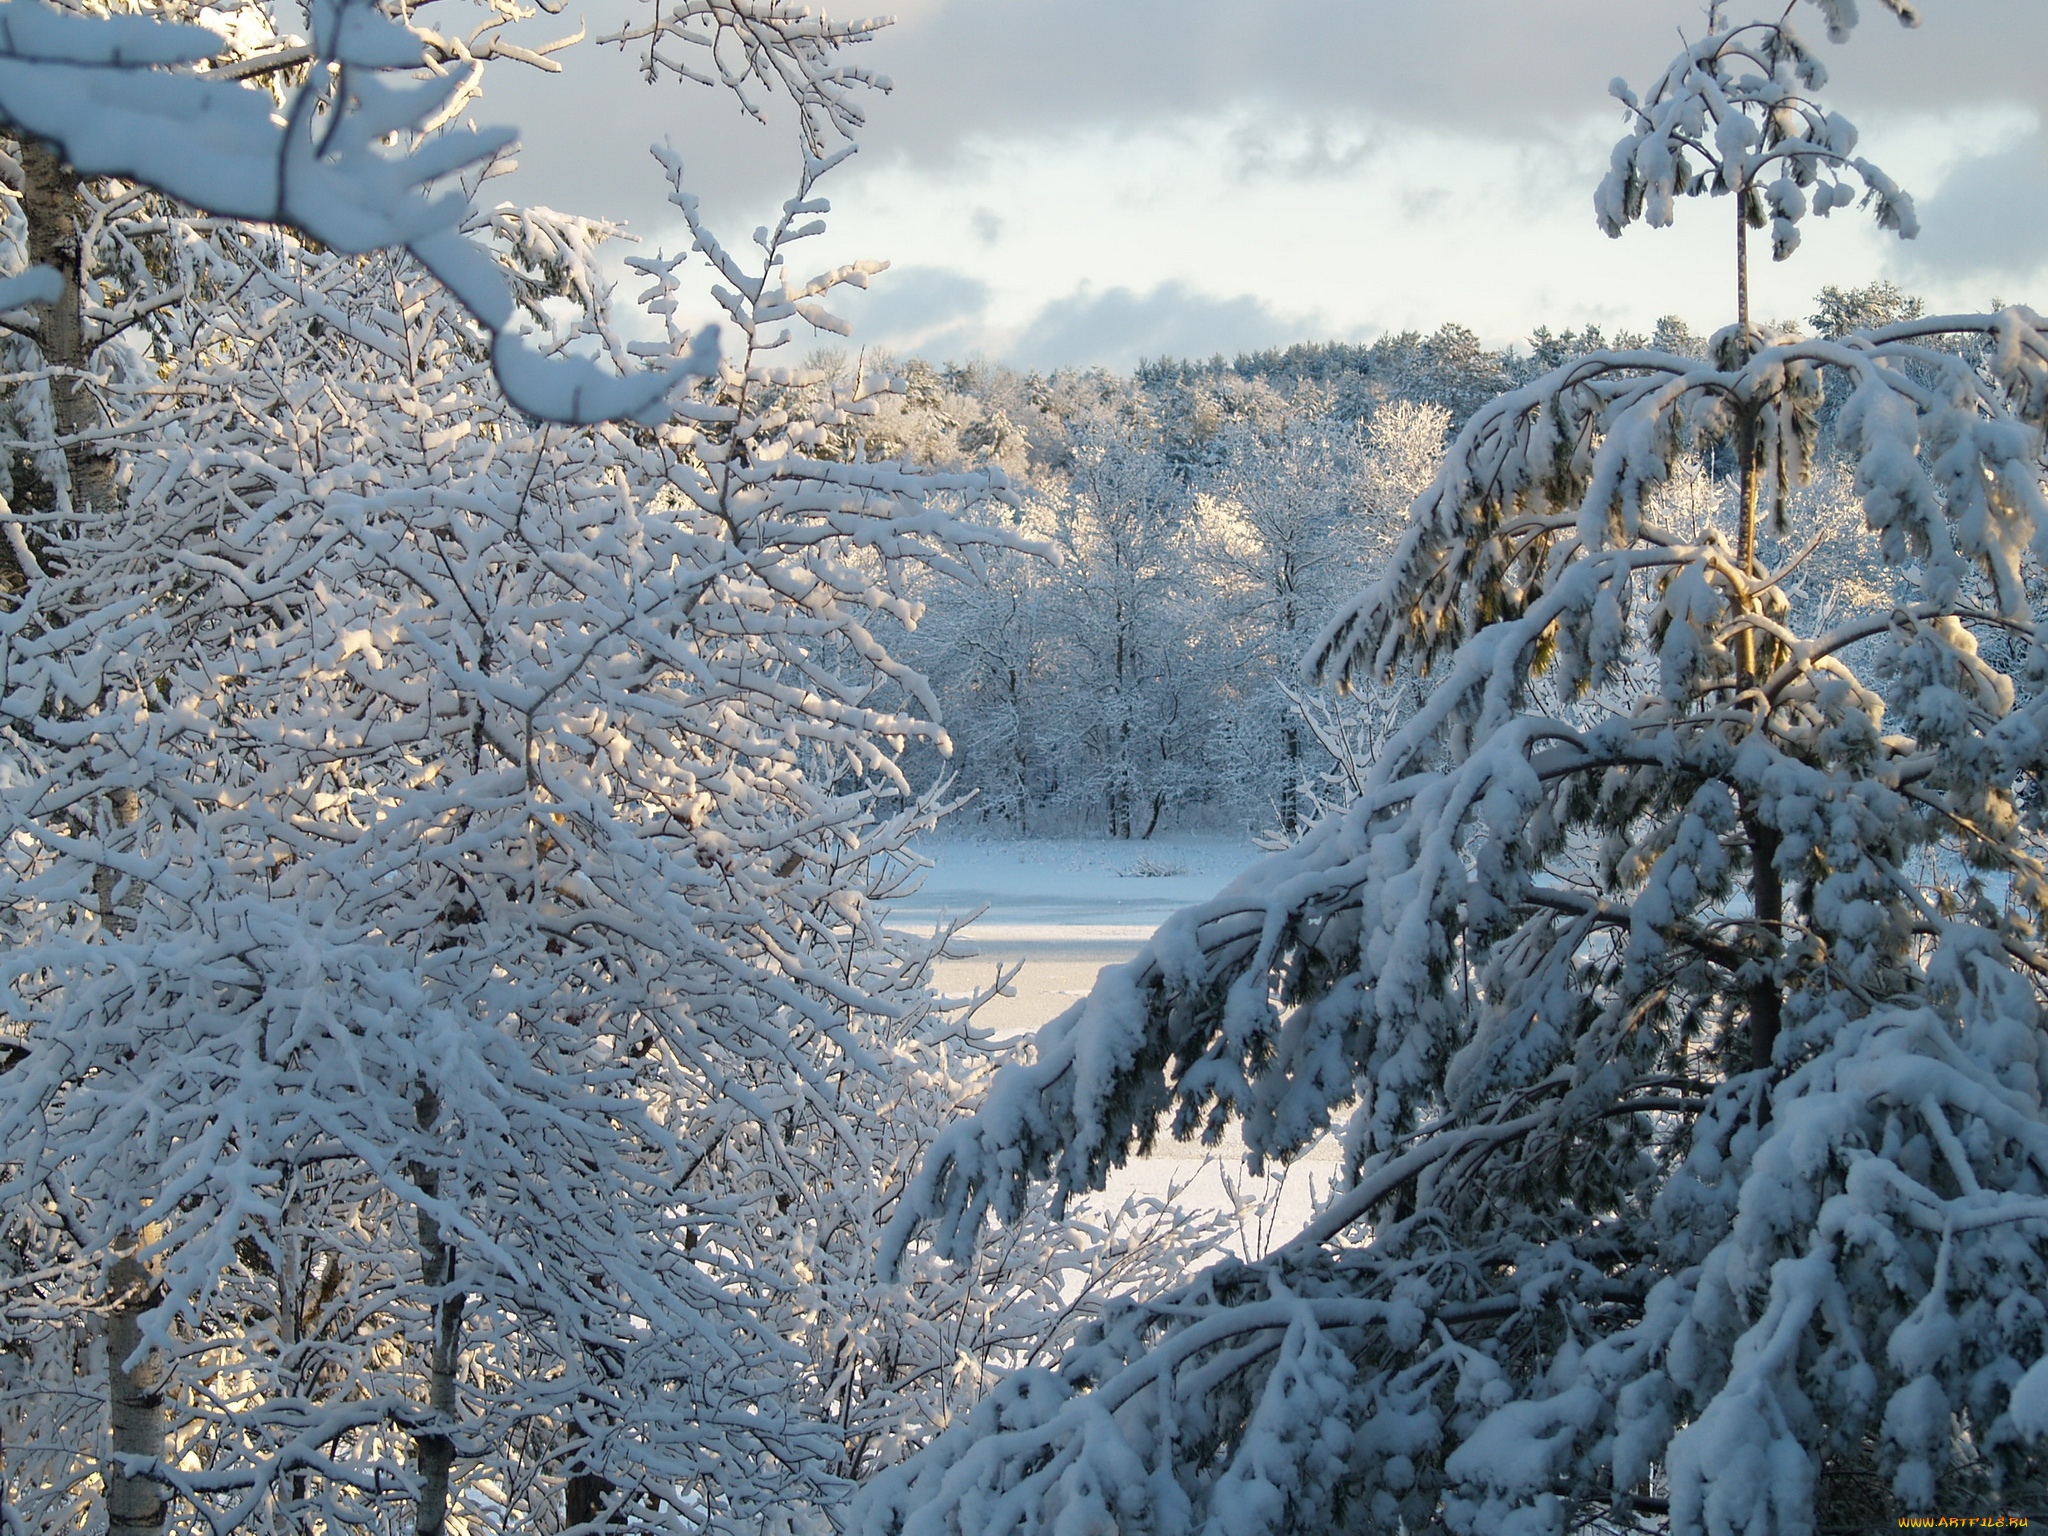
(1069, 183)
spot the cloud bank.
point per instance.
(1067, 182)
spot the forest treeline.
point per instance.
(1193, 525)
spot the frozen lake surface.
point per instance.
(1065, 908)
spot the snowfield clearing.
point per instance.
(1064, 908)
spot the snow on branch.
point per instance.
(479, 832)
(1736, 114)
(759, 49)
(119, 96)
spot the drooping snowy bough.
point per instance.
(360, 148)
(1677, 979)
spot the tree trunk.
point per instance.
(1290, 783)
(433, 1448)
(135, 1505)
(584, 1498)
(1745, 444)
(1767, 896)
(433, 1445)
(1123, 805)
(1767, 892)
(54, 211)
(1019, 753)
(1742, 265)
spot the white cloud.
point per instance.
(1406, 228)
(1344, 166)
(919, 311)
(1985, 220)
(1118, 327)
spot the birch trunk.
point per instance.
(433, 1445)
(55, 214)
(135, 1504)
(434, 1448)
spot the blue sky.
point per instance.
(1069, 182)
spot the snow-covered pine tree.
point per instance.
(1677, 976)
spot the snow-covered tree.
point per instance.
(1273, 536)
(1735, 115)
(1837, 311)
(1131, 662)
(1674, 983)
(356, 154)
(1087, 687)
(1295, 514)
(992, 650)
(455, 1072)
(419, 815)
(1204, 529)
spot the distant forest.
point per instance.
(1197, 522)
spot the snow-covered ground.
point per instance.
(1065, 908)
